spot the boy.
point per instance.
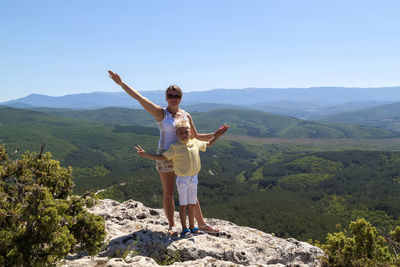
(186, 161)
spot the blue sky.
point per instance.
(65, 47)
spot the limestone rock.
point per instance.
(136, 236)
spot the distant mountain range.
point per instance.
(297, 102)
(383, 116)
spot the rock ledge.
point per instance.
(136, 236)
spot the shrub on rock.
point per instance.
(40, 221)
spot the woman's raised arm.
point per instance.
(153, 109)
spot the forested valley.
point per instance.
(300, 191)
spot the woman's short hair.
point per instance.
(175, 88)
(181, 123)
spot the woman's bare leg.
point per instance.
(168, 183)
(198, 215)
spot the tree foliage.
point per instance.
(362, 245)
(40, 221)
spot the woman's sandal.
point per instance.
(196, 231)
(172, 231)
(186, 233)
(208, 229)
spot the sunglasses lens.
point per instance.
(171, 96)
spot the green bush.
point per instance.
(361, 246)
(396, 234)
(40, 221)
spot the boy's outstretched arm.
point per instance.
(143, 154)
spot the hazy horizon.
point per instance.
(162, 90)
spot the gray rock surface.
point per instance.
(136, 236)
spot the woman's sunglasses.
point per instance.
(171, 96)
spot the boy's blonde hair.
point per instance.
(181, 123)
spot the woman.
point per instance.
(165, 118)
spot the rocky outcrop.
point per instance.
(137, 237)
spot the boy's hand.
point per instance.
(140, 150)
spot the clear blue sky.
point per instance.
(64, 47)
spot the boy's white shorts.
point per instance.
(187, 189)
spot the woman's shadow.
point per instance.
(145, 242)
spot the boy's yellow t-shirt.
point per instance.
(185, 156)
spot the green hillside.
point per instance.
(261, 124)
(110, 116)
(385, 116)
(100, 155)
(242, 122)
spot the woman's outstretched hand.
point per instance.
(222, 129)
(115, 77)
(140, 150)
